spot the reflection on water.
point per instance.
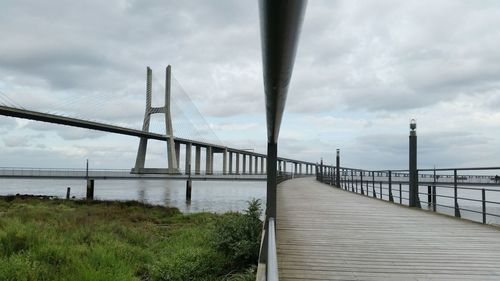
(211, 196)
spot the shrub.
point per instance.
(238, 235)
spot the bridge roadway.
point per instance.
(75, 122)
(325, 233)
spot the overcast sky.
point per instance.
(363, 70)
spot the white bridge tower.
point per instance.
(173, 167)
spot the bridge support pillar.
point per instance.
(209, 161)
(177, 152)
(256, 165)
(230, 163)
(250, 164)
(262, 165)
(173, 165)
(224, 162)
(188, 159)
(197, 160)
(244, 168)
(237, 163)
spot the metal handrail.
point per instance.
(272, 257)
(375, 183)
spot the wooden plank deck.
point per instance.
(325, 233)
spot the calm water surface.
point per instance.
(210, 196)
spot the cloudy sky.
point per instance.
(363, 70)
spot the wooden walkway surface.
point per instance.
(325, 233)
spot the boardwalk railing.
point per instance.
(471, 193)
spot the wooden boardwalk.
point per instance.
(325, 233)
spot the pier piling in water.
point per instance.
(68, 192)
(189, 184)
(90, 189)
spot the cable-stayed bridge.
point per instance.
(185, 134)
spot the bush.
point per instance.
(238, 235)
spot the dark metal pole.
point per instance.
(414, 199)
(373, 185)
(429, 195)
(338, 167)
(455, 191)
(434, 206)
(400, 195)
(483, 193)
(352, 180)
(391, 198)
(361, 181)
(272, 166)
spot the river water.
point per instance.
(207, 196)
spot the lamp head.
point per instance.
(413, 124)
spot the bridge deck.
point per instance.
(326, 233)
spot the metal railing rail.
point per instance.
(452, 191)
(272, 257)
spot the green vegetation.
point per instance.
(43, 239)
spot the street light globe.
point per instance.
(413, 124)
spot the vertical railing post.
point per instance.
(429, 195)
(352, 180)
(381, 190)
(483, 193)
(391, 198)
(356, 186)
(373, 185)
(361, 183)
(455, 191)
(434, 206)
(321, 170)
(400, 195)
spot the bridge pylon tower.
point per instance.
(150, 110)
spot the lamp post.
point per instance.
(414, 200)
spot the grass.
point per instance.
(42, 239)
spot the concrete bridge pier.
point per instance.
(256, 164)
(209, 161)
(188, 159)
(237, 163)
(244, 168)
(224, 162)
(230, 163)
(177, 153)
(197, 160)
(250, 164)
(262, 165)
